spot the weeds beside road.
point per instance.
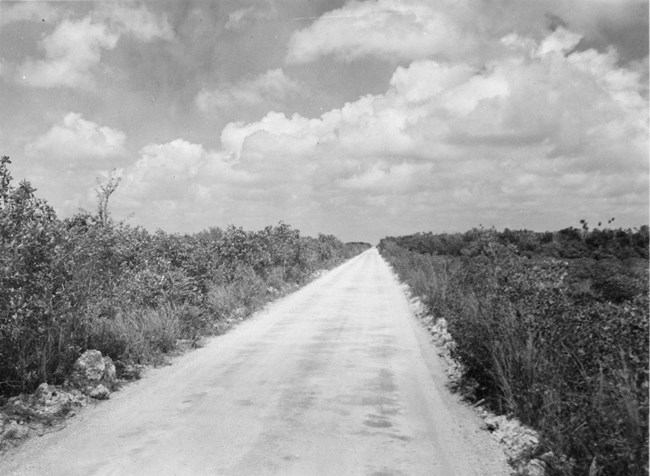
(89, 283)
(561, 348)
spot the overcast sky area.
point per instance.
(361, 118)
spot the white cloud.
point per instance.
(560, 41)
(178, 170)
(178, 180)
(536, 137)
(389, 29)
(74, 49)
(28, 11)
(464, 30)
(273, 86)
(466, 141)
(77, 141)
(544, 134)
(489, 116)
(422, 80)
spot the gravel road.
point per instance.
(336, 379)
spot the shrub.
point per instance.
(572, 364)
(89, 282)
(34, 307)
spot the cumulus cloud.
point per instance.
(545, 127)
(77, 141)
(502, 112)
(273, 87)
(466, 30)
(177, 169)
(74, 49)
(543, 135)
(561, 41)
(178, 180)
(389, 29)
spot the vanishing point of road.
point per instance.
(336, 379)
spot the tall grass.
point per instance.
(137, 336)
(571, 364)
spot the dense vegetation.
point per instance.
(87, 282)
(551, 328)
(569, 243)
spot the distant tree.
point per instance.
(105, 187)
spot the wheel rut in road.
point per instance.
(336, 379)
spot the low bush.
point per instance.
(570, 361)
(87, 282)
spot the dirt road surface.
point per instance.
(336, 379)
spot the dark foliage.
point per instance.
(569, 243)
(87, 282)
(560, 344)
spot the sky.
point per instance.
(361, 119)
